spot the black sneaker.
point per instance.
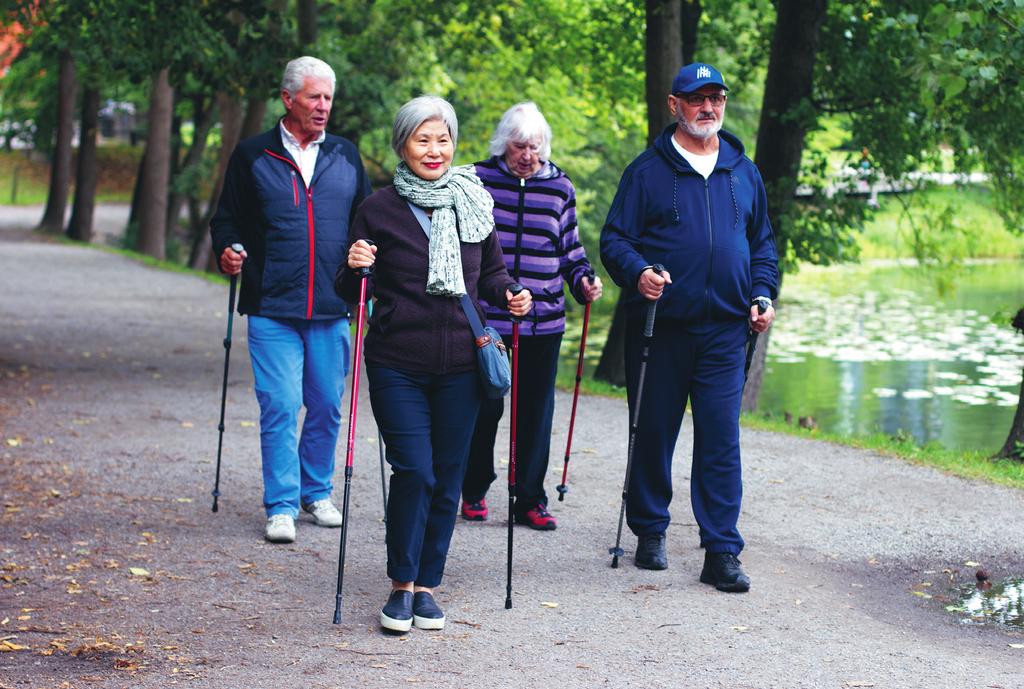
(425, 612)
(396, 616)
(723, 571)
(650, 551)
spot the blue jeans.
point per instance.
(296, 362)
(427, 422)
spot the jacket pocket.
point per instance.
(382, 315)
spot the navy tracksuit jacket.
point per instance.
(715, 239)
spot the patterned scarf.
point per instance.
(462, 211)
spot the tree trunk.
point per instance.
(200, 256)
(663, 56)
(787, 113)
(1013, 448)
(1014, 445)
(255, 109)
(203, 117)
(152, 212)
(80, 225)
(60, 172)
(612, 366)
(307, 22)
(691, 12)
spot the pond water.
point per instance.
(875, 348)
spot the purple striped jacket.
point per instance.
(535, 220)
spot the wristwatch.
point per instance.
(762, 303)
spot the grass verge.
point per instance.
(962, 463)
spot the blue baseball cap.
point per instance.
(695, 75)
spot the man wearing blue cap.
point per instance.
(694, 203)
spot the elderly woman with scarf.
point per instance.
(535, 215)
(431, 240)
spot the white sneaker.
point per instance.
(325, 513)
(280, 529)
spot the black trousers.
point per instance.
(538, 366)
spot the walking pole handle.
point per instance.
(515, 288)
(366, 271)
(652, 307)
(237, 248)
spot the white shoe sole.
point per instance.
(279, 539)
(394, 625)
(427, 622)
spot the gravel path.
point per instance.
(114, 572)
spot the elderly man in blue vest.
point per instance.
(695, 204)
(289, 196)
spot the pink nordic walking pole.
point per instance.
(562, 488)
(357, 356)
(515, 289)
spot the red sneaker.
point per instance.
(538, 518)
(474, 511)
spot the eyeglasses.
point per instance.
(697, 99)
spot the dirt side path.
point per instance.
(115, 573)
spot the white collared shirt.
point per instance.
(304, 157)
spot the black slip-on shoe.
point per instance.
(723, 571)
(396, 615)
(650, 551)
(425, 612)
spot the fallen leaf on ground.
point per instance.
(246, 424)
(14, 442)
(1016, 645)
(9, 646)
(739, 628)
(971, 563)
(138, 572)
(921, 594)
(187, 424)
(548, 604)
(858, 684)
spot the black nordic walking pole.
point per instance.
(380, 446)
(237, 248)
(616, 552)
(562, 488)
(752, 343)
(357, 355)
(515, 288)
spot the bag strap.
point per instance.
(467, 305)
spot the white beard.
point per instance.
(700, 131)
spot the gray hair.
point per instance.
(522, 122)
(298, 70)
(417, 111)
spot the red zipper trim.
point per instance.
(311, 229)
(295, 190)
(312, 253)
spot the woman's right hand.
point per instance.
(361, 255)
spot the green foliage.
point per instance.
(983, 234)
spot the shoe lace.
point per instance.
(541, 512)
(279, 520)
(730, 560)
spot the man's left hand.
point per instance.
(759, 322)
